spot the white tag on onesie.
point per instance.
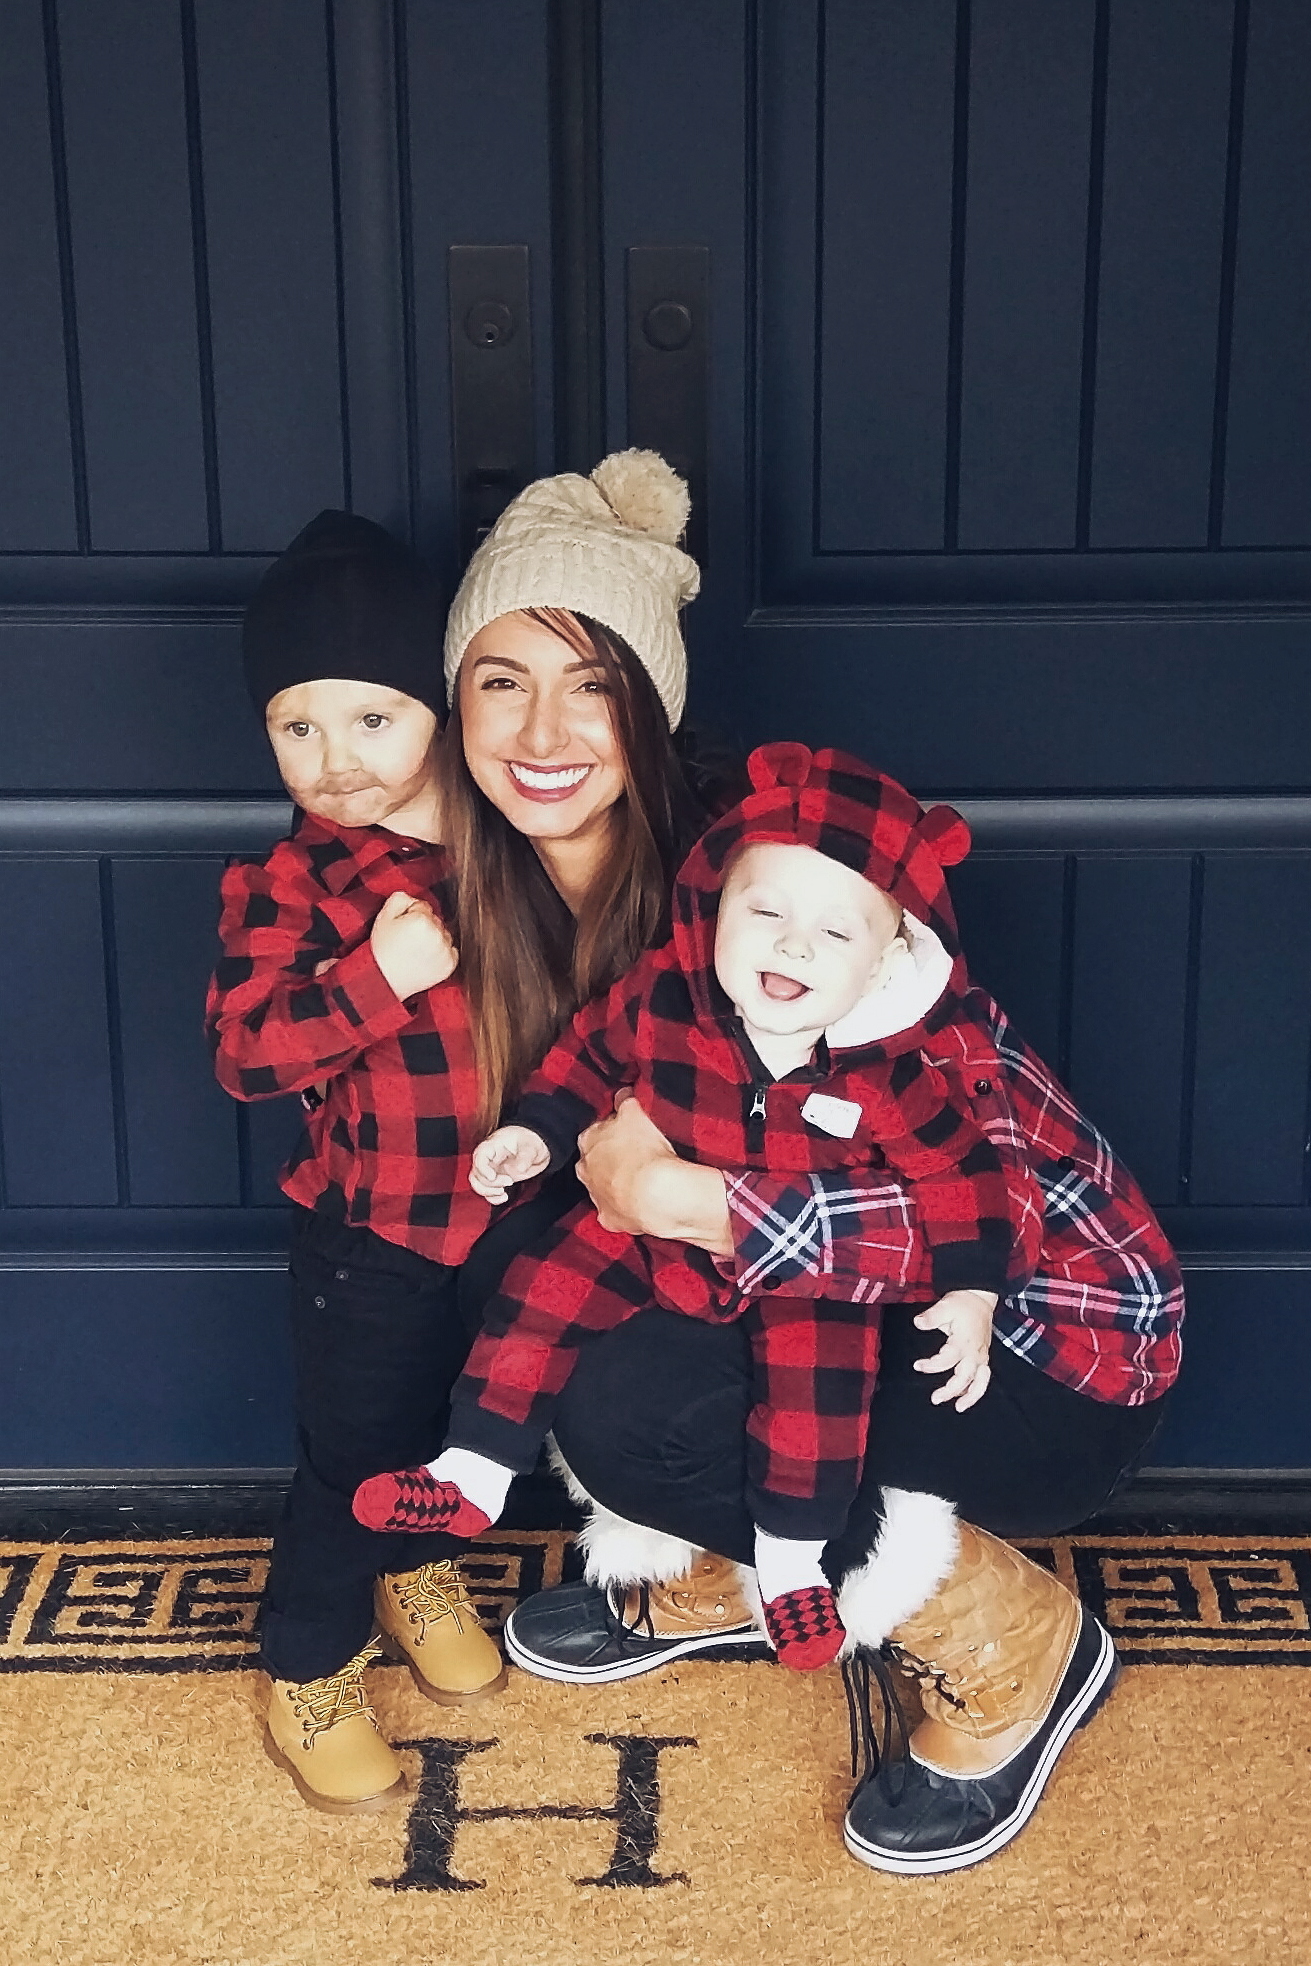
(840, 1117)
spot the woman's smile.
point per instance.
(547, 783)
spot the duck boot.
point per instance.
(325, 1736)
(428, 1623)
(1009, 1665)
(590, 1634)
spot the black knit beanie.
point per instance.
(348, 600)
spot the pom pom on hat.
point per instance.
(602, 546)
(646, 493)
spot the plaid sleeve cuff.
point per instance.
(356, 990)
(820, 1232)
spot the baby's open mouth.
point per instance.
(782, 989)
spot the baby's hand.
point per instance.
(512, 1153)
(966, 1318)
(411, 946)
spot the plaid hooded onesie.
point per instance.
(668, 1032)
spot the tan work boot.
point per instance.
(1009, 1666)
(588, 1634)
(429, 1624)
(325, 1736)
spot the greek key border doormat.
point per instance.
(692, 1817)
(182, 1605)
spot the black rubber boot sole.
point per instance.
(1005, 1799)
(565, 1635)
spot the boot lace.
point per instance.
(936, 1678)
(322, 1703)
(621, 1631)
(882, 1752)
(434, 1591)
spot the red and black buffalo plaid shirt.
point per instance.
(977, 1208)
(393, 1138)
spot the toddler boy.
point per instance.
(335, 982)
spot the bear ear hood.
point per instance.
(844, 809)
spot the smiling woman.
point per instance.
(566, 804)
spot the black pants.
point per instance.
(653, 1424)
(379, 1337)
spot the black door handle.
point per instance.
(493, 438)
(668, 350)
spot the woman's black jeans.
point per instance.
(653, 1424)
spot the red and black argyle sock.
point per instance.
(411, 1498)
(805, 1627)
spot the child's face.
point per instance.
(799, 938)
(355, 753)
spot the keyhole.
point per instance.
(489, 324)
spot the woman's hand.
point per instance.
(640, 1187)
(966, 1318)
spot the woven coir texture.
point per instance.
(690, 1816)
(142, 1823)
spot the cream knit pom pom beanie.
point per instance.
(603, 546)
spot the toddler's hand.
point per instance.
(512, 1153)
(965, 1316)
(411, 946)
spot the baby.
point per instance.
(787, 1026)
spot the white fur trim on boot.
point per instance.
(620, 1552)
(914, 1554)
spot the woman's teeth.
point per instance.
(549, 781)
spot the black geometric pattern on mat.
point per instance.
(182, 1606)
(436, 1814)
(177, 1605)
(1193, 1600)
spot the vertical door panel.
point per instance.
(134, 271)
(56, 1082)
(888, 81)
(1129, 991)
(1267, 499)
(181, 1128)
(1253, 1031)
(36, 485)
(674, 116)
(478, 161)
(1011, 914)
(270, 218)
(1167, 119)
(1025, 240)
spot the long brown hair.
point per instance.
(527, 964)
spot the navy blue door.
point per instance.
(1009, 486)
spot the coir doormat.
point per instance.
(183, 1604)
(690, 1817)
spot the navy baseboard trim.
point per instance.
(42, 1504)
(39, 1503)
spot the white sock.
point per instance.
(485, 1483)
(783, 1564)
